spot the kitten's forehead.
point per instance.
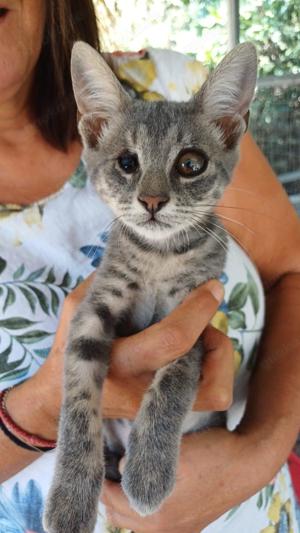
(159, 124)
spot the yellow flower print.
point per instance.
(275, 508)
(199, 73)
(152, 96)
(139, 74)
(237, 361)
(32, 216)
(269, 529)
(220, 321)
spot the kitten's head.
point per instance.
(162, 165)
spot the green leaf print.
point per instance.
(253, 293)
(15, 374)
(51, 276)
(36, 274)
(43, 352)
(237, 319)
(238, 296)
(233, 511)
(16, 323)
(10, 298)
(42, 299)
(32, 336)
(5, 366)
(19, 272)
(54, 302)
(2, 264)
(67, 280)
(260, 500)
(30, 297)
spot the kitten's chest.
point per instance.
(162, 288)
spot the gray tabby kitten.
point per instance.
(161, 166)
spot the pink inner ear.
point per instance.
(91, 129)
(231, 128)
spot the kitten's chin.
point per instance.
(153, 231)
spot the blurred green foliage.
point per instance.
(273, 25)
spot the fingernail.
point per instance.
(122, 465)
(217, 290)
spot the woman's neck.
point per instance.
(30, 168)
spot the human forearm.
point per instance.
(273, 409)
(27, 403)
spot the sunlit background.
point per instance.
(201, 29)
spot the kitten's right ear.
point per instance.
(227, 93)
(98, 93)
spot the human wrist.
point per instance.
(29, 407)
(271, 439)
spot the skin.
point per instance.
(25, 177)
(244, 460)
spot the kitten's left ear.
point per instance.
(229, 89)
(98, 93)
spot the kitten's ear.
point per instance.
(228, 90)
(96, 88)
(98, 93)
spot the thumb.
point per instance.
(171, 338)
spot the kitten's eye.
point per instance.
(128, 162)
(191, 163)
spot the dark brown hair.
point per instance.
(52, 102)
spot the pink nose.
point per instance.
(153, 203)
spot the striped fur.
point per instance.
(149, 266)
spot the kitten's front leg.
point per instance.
(154, 441)
(73, 500)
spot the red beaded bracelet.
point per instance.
(18, 435)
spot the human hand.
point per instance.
(133, 361)
(217, 470)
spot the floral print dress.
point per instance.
(47, 248)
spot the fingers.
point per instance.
(216, 387)
(172, 337)
(120, 514)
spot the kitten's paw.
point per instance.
(64, 514)
(147, 483)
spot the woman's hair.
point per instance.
(52, 102)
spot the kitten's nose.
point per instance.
(153, 203)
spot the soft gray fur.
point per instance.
(154, 258)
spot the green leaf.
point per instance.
(54, 302)
(15, 374)
(43, 352)
(16, 323)
(10, 298)
(2, 264)
(260, 500)
(67, 280)
(32, 336)
(7, 351)
(236, 343)
(232, 511)
(252, 357)
(238, 296)
(31, 298)
(237, 319)
(253, 293)
(36, 274)
(42, 298)
(8, 367)
(19, 272)
(51, 276)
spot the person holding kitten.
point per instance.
(53, 231)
